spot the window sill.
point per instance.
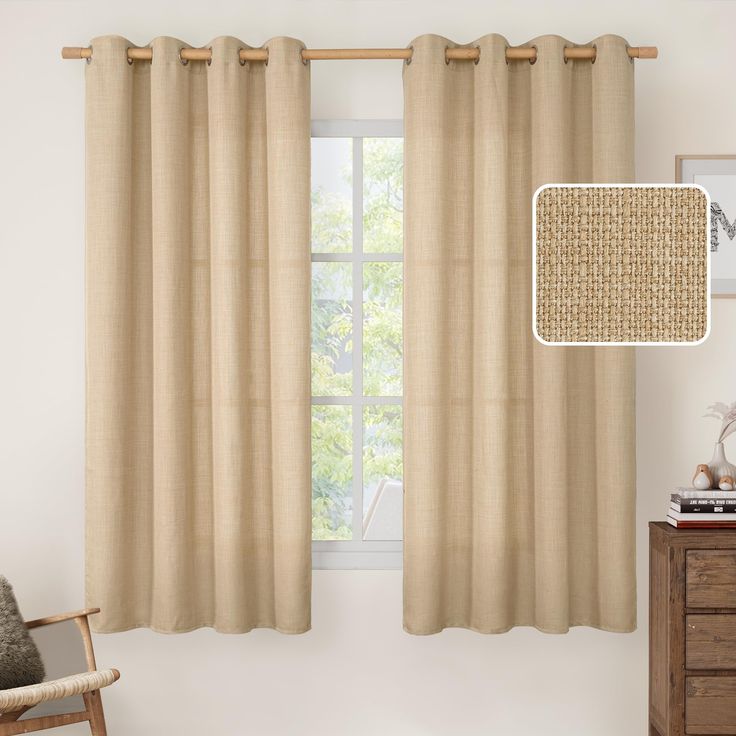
(334, 556)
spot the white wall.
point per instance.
(356, 672)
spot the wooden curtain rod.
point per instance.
(513, 53)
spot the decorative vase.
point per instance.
(719, 466)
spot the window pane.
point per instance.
(383, 195)
(382, 339)
(332, 329)
(332, 472)
(382, 471)
(332, 195)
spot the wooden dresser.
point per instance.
(692, 631)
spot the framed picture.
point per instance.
(717, 175)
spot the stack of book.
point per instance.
(694, 509)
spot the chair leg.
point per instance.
(93, 703)
(14, 716)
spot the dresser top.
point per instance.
(692, 537)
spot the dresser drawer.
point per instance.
(711, 578)
(710, 705)
(710, 642)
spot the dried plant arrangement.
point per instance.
(722, 472)
(727, 415)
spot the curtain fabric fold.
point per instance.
(519, 459)
(198, 378)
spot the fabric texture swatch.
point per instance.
(621, 264)
(519, 458)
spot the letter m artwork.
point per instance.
(717, 217)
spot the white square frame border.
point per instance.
(618, 344)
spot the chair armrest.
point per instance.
(61, 617)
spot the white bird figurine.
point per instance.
(702, 480)
(726, 483)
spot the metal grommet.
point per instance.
(447, 60)
(209, 61)
(506, 54)
(88, 60)
(407, 61)
(564, 54)
(183, 62)
(631, 58)
(242, 61)
(268, 54)
(592, 61)
(301, 56)
(536, 55)
(477, 48)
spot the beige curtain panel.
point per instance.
(519, 463)
(198, 272)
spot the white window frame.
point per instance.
(357, 554)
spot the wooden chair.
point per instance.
(16, 701)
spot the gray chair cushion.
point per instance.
(20, 660)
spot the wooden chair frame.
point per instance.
(92, 713)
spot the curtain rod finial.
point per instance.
(75, 52)
(647, 52)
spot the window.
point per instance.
(357, 278)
